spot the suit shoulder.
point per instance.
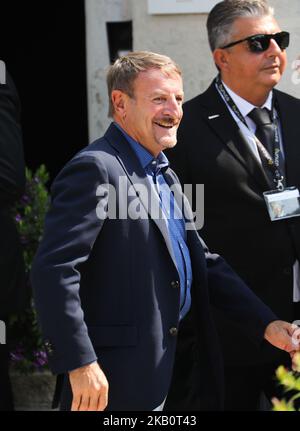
(193, 110)
(287, 98)
(99, 152)
(200, 104)
(99, 145)
(193, 103)
(90, 161)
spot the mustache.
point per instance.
(167, 121)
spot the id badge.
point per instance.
(283, 204)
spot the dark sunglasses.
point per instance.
(261, 42)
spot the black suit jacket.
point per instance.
(108, 288)
(13, 295)
(214, 152)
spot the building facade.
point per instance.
(182, 36)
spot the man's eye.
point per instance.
(159, 99)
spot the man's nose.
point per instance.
(274, 48)
(173, 107)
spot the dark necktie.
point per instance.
(265, 132)
(264, 128)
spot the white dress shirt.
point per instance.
(249, 133)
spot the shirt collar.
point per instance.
(244, 106)
(160, 162)
(145, 158)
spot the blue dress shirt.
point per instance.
(172, 214)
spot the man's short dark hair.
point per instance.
(221, 18)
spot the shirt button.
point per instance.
(173, 331)
(175, 284)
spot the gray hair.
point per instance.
(122, 74)
(221, 18)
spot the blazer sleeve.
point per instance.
(71, 228)
(12, 166)
(228, 292)
(235, 299)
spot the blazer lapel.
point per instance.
(137, 177)
(224, 126)
(179, 196)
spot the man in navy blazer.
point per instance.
(118, 277)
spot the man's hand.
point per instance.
(284, 335)
(89, 387)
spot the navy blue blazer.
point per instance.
(108, 289)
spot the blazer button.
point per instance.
(175, 284)
(173, 332)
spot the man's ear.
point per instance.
(221, 59)
(118, 99)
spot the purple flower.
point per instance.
(25, 199)
(17, 355)
(40, 359)
(18, 218)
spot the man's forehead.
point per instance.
(158, 78)
(244, 26)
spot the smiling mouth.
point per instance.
(165, 125)
(273, 66)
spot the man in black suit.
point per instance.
(217, 147)
(12, 183)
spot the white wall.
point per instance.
(182, 37)
(98, 12)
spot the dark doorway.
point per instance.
(43, 46)
(119, 35)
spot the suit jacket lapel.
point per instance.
(222, 123)
(180, 198)
(138, 179)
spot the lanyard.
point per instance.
(272, 163)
